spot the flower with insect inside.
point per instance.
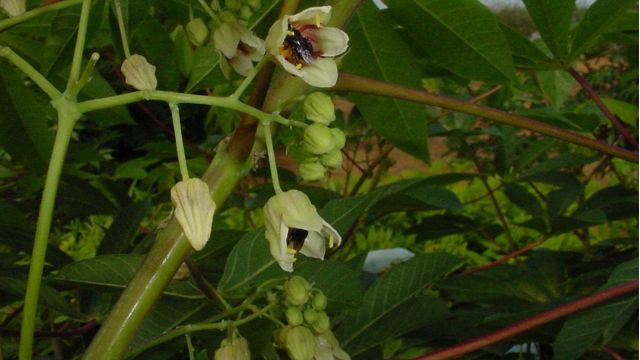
(306, 48)
(292, 225)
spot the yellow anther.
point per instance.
(291, 251)
(317, 20)
(331, 241)
(298, 66)
(290, 33)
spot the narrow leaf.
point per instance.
(552, 18)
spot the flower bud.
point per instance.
(312, 170)
(198, 32)
(319, 302)
(255, 4)
(300, 343)
(139, 73)
(318, 107)
(194, 209)
(13, 7)
(245, 12)
(294, 316)
(297, 290)
(338, 138)
(332, 159)
(318, 139)
(310, 316)
(233, 349)
(322, 324)
(233, 5)
(215, 5)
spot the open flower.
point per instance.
(306, 48)
(139, 73)
(329, 348)
(292, 224)
(239, 47)
(13, 7)
(194, 209)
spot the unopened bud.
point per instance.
(198, 32)
(310, 316)
(338, 138)
(294, 316)
(312, 170)
(233, 349)
(322, 324)
(255, 4)
(318, 107)
(297, 290)
(245, 12)
(332, 159)
(300, 343)
(233, 5)
(319, 302)
(318, 139)
(215, 5)
(139, 73)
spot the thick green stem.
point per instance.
(349, 82)
(31, 72)
(7, 23)
(66, 120)
(177, 133)
(76, 63)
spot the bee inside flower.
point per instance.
(306, 48)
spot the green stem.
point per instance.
(76, 63)
(31, 72)
(86, 76)
(273, 167)
(7, 23)
(210, 12)
(350, 82)
(122, 29)
(66, 121)
(190, 349)
(247, 80)
(177, 131)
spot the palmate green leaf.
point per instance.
(462, 36)
(393, 306)
(600, 16)
(115, 272)
(525, 53)
(552, 18)
(23, 127)
(377, 51)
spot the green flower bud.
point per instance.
(245, 12)
(338, 138)
(319, 302)
(310, 316)
(197, 31)
(215, 5)
(318, 139)
(322, 324)
(233, 5)
(332, 159)
(255, 4)
(312, 170)
(297, 290)
(300, 343)
(294, 316)
(233, 349)
(318, 107)
(227, 17)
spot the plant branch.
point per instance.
(76, 63)
(210, 292)
(532, 322)
(501, 217)
(350, 82)
(31, 72)
(7, 23)
(593, 94)
(56, 334)
(505, 258)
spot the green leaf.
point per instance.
(393, 306)
(462, 36)
(153, 41)
(59, 44)
(121, 232)
(24, 131)
(624, 272)
(78, 198)
(600, 16)
(625, 111)
(520, 196)
(115, 272)
(556, 86)
(525, 53)
(401, 122)
(205, 61)
(337, 280)
(552, 18)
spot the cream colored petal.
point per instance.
(275, 37)
(225, 66)
(331, 41)
(314, 246)
(284, 258)
(321, 14)
(289, 67)
(298, 211)
(322, 73)
(252, 41)
(13, 7)
(139, 73)
(226, 39)
(242, 64)
(276, 234)
(194, 209)
(329, 233)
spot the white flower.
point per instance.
(306, 48)
(13, 7)
(238, 47)
(292, 224)
(139, 73)
(329, 348)
(233, 349)
(194, 208)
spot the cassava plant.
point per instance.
(218, 180)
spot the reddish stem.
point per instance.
(612, 353)
(593, 94)
(55, 334)
(530, 323)
(504, 258)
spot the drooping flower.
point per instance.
(300, 343)
(292, 224)
(139, 73)
(238, 46)
(13, 7)
(306, 48)
(328, 348)
(236, 348)
(194, 209)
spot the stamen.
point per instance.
(290, 33)
(298, 66)
(291, 251)
(317, 20)
(331, 241)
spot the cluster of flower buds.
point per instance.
(307, 334)
(242, 9)
(322, 144)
